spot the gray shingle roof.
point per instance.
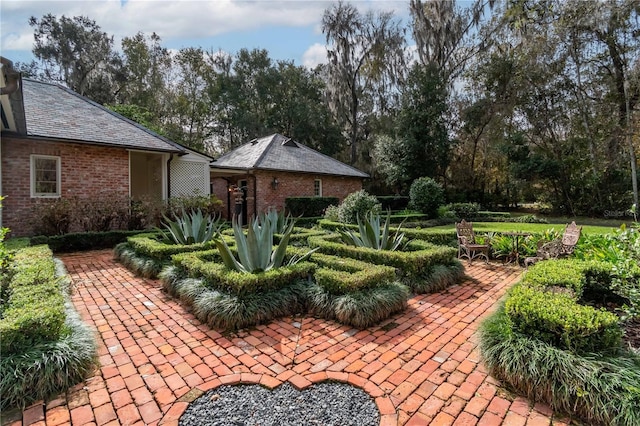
(55, 112)
(277, 152)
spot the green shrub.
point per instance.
(35, 311)
(332, 213)
(357, 204)
(190, 228)
(362, 308)
(208, 266)
(53, 217)
(529, 218)
(48, 368)
(597, 389)
(466, 211)
(309, 206)
(374, 236)
(393, 202)
(433, 236)
(233, 310)
(557, 319)
(426, 196)
(82, 241)
(255, 250)
(208, 204)
(559, 273)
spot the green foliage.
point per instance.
(393, 202)
(309, 206)
(426, 196)
(255, 250)
(209, 205)
(332, 213)
(82, 241)
(360, 309)
(232, 310)
(597, 389)
(439, 236)
(144, 266)
(557, 319)
(190, 228)
(529, 218)
(35, 312)
(372, 235)
(357, 204)
(466, 211)
(278, 221)
(208, 266)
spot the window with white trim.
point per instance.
(45, 176)
(317, 188)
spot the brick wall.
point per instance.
(289, 185)
(86, 171)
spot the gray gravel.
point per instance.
(325, 404)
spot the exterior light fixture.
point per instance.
(274, 183)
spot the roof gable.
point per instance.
(277, 152)
(55, 112)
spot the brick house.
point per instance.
(273, 168)
(57, 144)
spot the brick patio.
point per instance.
(421, 367)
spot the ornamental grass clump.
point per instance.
(256, 251)
(190, 228)
(374, 236)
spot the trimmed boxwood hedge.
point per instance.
(548, 346)
(35, 310)
(422, 266)
(82, 240)
(46, 348)
(434, 236)
(309, 206)
(208, 266)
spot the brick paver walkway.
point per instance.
(422, 366)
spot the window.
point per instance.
(45, 176)
(317, 188)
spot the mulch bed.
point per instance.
(632, 334)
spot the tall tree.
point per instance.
(366, 54)
(77, 53)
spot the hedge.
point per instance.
(393, 202)
(208, 266)
(309, 206)
(82, 240)
(416, 266)
(36, 366)
(557, 319)
(546, 345)
(435, 236)
(35, 310)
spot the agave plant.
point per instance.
(374, 236)
(192, 228)
(255, 249)
(279, 222)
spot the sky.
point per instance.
(288, 29)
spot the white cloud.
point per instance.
(316, 54)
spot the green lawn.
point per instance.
(481, 227)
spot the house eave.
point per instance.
(83, 142)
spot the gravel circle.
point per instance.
(325, 404)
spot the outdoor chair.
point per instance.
(561, 247)
(467, 245)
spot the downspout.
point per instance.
(255, 197)
(169, 176)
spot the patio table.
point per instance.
(514, 256)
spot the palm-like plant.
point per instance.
(279, 222)
(190, 228)
(255, 249)
(373, 235)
